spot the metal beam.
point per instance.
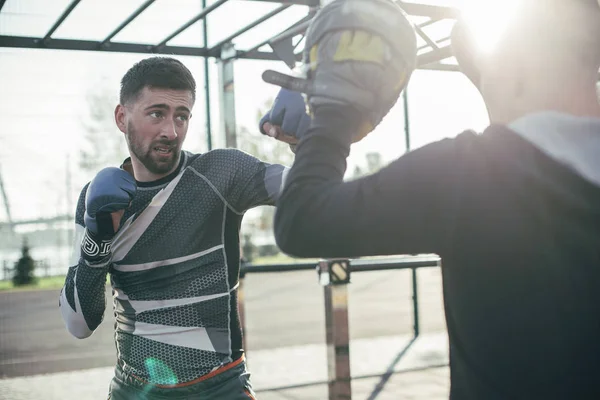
(6, 204)
(426, 38)
(437, 43)
(428, 22)
(299, 29)
(261, 55)
(127, 21)
(426, 10)
(207, 84)
(309, 3)
(60, 19)
(50, 220)
(441, 67)
(293, 30)
(227, 96)
(434, 56)
(89, 45)
(246, 28)
(191, 22)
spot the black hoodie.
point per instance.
(514, 214)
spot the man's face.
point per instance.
(155, 125)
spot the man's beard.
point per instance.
(148, 156)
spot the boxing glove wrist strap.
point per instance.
(94, 248)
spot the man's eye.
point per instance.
(156, 114)
(183, 117)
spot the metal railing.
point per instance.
(334, 276)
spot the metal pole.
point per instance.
(6, 206)
(226, 80)
(335, 276)
(415, 298)
(206, 82)
(70, 228)
(406, 120)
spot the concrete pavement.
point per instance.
(285, 330)
(390, 367)
(282, 310)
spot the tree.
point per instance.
(104, 144)
(24, 268)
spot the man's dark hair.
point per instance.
(156, 72)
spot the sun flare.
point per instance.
(488, 19)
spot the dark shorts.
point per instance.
(230, 382)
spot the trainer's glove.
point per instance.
(287, 117)
(358, 53)
(111, 190)
(465, 51)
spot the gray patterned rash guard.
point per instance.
(175, 268)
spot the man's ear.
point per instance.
(120, 118)
(465, 51)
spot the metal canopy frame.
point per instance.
(431, 55)
(429, 59)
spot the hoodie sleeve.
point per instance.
(406, 208)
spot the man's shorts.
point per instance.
(230, 382)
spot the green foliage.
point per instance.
(24, 268)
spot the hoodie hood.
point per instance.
(572, 141)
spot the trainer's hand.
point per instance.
(287, 120)
(358, 57)
(107, 197)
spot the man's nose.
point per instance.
(168, 131)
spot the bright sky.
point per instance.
(43, 100)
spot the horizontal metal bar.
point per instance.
(434, 56)
(304, 22)
(49, 220)
(191, 22)
(437, 43)
(426, 38)
(310, 3)
(378, 265)
(441, 67)
(261, 55)
(246, 28)
(428, 22)
(264, 55)
(358, 265)
(266, 268)
(128, 20)
(89, 45)
(60, 19)
(426, 10)
(290, 33)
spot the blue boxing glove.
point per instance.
(288, 112)
(111, 190)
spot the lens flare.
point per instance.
(160, 373)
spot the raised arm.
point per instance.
(252, 182)
(82, 299)
(406, 207)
